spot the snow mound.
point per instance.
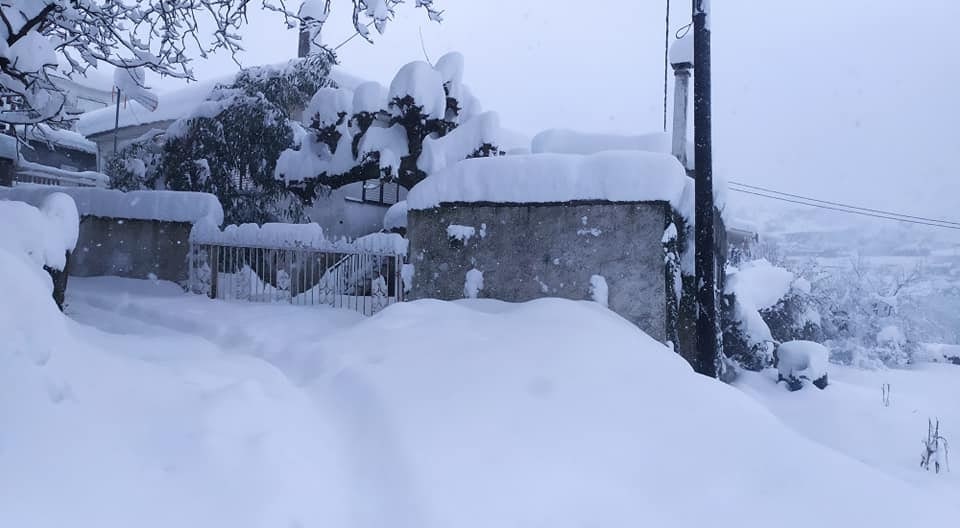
(759, 284)
(520, 405)
(460, 143)
(802, 360)
(396, 216)
(559, 141)
(424, 84)
(369, 97)
(43, 236)
(473, 284)
(328, 105)
(168, 206)
(550, 178)
(461, 232)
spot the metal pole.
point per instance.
(708, 347)
(116, 123)
(666, 64)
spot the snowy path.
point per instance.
(287, 338)
(470, 414)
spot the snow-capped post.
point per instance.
(681, 59)
(708, 341)
(313, 13)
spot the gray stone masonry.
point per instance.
(131, 248)
(547, 250)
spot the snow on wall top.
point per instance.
(560, 141)
(169, 206)
(305, 236)
(618, 176)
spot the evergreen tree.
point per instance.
(384, 134)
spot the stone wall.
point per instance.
(531, 251)
(131, 248)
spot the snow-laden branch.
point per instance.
(38, 37)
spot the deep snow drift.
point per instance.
(476, 413)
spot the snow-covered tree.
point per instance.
(230, 144)
(40, 39)
(425, 121)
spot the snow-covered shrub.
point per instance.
(872, 316)
(135, 166)
(802, 361)
(935, 449)
(762, 305)
(426, 120)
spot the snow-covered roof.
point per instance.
(617, 176)
(559, 141)
(173, 105)
(169, 206)
(61, 137)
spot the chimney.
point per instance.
(681, 59)
(303, 48)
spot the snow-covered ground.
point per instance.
(149, 407)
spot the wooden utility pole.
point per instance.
(708, 329)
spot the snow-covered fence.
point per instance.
(295, 264)
(28, 172)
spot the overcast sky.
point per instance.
(842, 99)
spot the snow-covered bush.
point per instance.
(763, 305)
(425, 121)
(802, 361)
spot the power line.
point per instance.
(848, 206)
(850, 211)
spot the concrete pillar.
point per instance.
(681, 100)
